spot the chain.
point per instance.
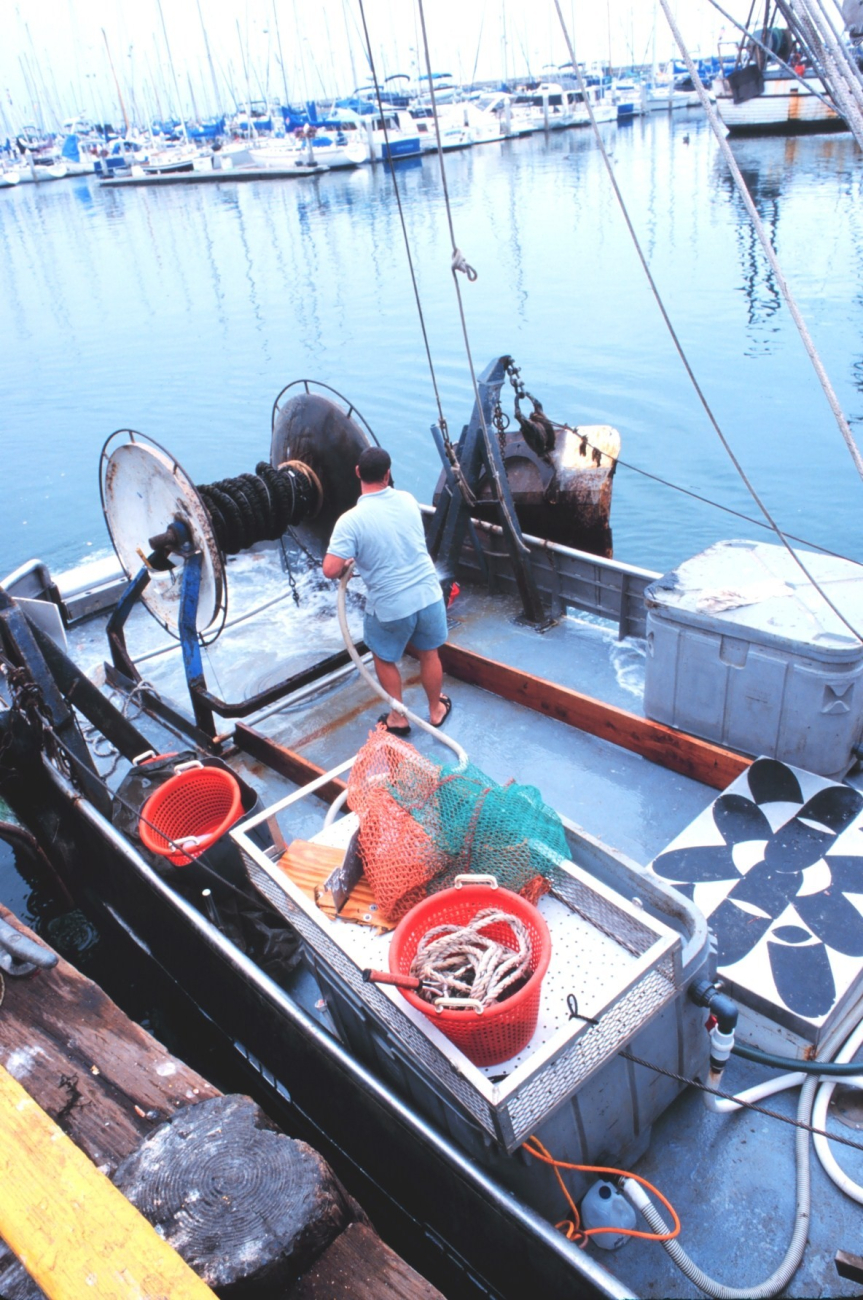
(501, 423)
(29, 702)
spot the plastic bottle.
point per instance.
(603, 1206)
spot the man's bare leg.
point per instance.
(431, 676)
(391, 680)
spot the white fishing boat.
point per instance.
(781, 104)
(455, 130)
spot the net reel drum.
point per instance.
(172, 537)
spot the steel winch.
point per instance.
(173, 537)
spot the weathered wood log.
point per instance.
(74, 1232)
(247, 1207)
(99, 1076)
(360, 1265)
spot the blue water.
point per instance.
(183, 311)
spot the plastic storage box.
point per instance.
(742, 649)
(611, 961)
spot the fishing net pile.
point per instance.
(421, 825)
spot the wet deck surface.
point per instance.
(731, 1178)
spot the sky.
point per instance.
(55, 58)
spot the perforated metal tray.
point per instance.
(621, 965)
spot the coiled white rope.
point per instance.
(460, 962)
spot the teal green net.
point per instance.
(421, 825)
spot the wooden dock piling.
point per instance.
(82, 1088)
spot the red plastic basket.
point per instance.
(504, 1029)
(189, 813)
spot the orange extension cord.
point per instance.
(572, 1227)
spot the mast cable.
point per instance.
(696, 496)
(755, 41)
(697, 82)
(460, 264)
(391, 164)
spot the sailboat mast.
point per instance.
(248, 82)
(281, 55)
(216, 105)
(173, 72)
(116, 83)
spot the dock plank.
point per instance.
(68, 1224)
(360, 1266)
(103, 1079)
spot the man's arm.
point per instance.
(334, 565)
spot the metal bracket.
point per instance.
(20, 955)
(452, 518)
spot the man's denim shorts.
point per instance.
(424, 630)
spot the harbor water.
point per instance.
(182, 311)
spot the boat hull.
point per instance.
(784, 108)
(484, 1241)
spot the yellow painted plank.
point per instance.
(76, 1235)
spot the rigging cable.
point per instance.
(696, 496)
(696, 81)
(459, 263)
(442, 424)
(796, 76)
(731, 161)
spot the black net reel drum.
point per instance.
(315, 425)
(172, 537)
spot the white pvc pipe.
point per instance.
(819, 1119)
(396, 705)
(769, 1088)
(339, 802)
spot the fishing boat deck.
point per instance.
(739, 1168)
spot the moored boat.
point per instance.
(457, 1151)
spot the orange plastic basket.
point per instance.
(504, 1029)
(189, 812)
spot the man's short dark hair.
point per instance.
(373, 464)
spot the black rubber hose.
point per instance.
(793, 1063)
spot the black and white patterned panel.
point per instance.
(776, 864)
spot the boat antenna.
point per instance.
(750, 487)
(460, 264)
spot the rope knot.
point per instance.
(460, 263)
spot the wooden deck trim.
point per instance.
(287, 762)
(676, 750)
(73, 1231)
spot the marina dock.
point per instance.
(82, 1087)
(215, 176)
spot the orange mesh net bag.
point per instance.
(421, 825)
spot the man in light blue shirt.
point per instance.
(383, 534)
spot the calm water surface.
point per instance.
(183, 311)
